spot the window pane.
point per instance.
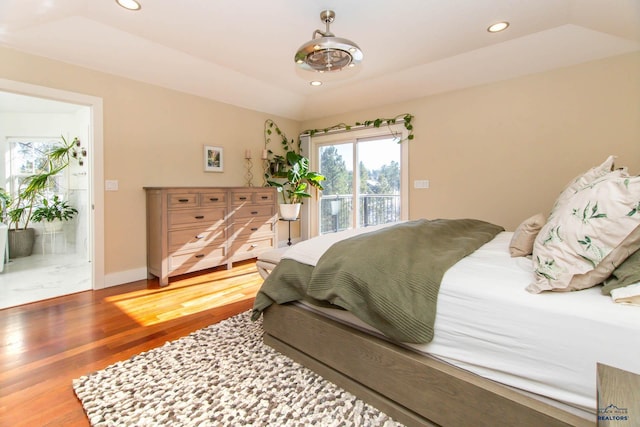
(30, 157)
(379, 181)
(336, 207)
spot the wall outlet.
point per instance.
(421, 183)
(111, 185)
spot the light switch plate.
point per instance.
(111, 185)
(421, 183)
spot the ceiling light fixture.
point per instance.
(129, 4)
(327, 52)
(315, 83)
(498, 26)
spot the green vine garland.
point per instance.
(406, 119)
(270, 127)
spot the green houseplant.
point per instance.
(53, 213)
(21, 236)
(295, 183)
(30, 195)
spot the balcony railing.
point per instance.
(336, 211)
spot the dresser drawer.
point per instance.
(189, 217)
(253, 211)
(214, 198)
(240, 197)
(195, 238)
(247, 227)
(207, 257)
(182, 200)
(264, 196)
(251, 248)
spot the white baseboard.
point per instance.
(122, 277)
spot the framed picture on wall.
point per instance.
(213, 159)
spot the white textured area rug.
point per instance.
(222, 375)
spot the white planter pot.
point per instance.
(53, 226)
(289, 211)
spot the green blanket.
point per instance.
(388, 278)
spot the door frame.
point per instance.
(94, 160)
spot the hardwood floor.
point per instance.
(45, 345)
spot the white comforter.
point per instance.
(547, 344)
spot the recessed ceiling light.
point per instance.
(315, 83)
(498, 26)
(129, 4)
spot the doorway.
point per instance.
(69, 260)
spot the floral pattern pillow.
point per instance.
(583, 229)
(582, 180)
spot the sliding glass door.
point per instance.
(363, 183)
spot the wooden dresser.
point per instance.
(193, 228)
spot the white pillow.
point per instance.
(583, 229)
(627, 295)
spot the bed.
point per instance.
(502, 352)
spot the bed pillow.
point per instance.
(522, 241)
(583, 230)
(584, 179)
(614, 262)
(627, 295)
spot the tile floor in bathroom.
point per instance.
(38, 277)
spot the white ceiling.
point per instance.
(241, 51)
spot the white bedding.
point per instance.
(547, 344)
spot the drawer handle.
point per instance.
(265, 197)
(213, 199)
(254, 229)
(199, 216)
(242, 198)
(200, 256)
(183, 200)
(254, 212)
(200, 236)
(254, 245)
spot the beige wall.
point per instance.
(499, 152)
(502, 152)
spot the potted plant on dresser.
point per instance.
(295, 183)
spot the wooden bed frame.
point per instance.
(413, 389)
